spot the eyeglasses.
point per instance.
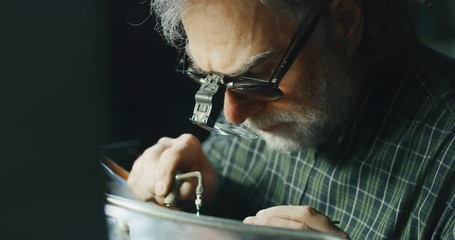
(244, 86)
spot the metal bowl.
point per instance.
(130, 219)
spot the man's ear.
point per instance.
(347, 19)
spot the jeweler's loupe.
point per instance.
(204, 116)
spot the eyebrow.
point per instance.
(253, 61)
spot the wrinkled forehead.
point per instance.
(223, 35)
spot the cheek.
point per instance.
(301, 82)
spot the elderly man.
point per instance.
(354, 118)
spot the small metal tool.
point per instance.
(171, 198)
(179, 178)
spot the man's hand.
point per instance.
(295, 217)
(153, 173)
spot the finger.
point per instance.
(166, 141)
(165, 171)
(149, 169)
(188, 189)
(304, 214)
(138, 191)
(276, 222)
(179, 156)
(141, 180)
(135, 184)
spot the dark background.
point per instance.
(151, 99)
(55, 111)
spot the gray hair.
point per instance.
(388, 23)
(169, 24)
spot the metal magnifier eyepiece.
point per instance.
(206, 118)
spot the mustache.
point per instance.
(269, 119)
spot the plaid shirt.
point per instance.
(391, 176)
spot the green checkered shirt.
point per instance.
(390, 175)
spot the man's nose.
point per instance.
(238, 109)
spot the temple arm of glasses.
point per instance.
(248, 85)
(302, 36)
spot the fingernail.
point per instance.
(159, 188)
(247, 220)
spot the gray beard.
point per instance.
(305, 127)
